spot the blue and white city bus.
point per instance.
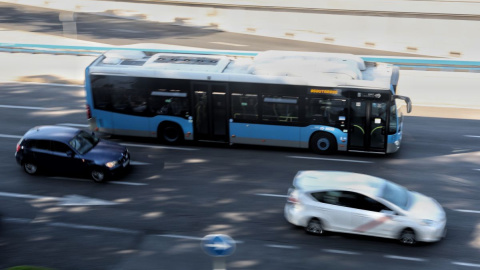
(322, 101)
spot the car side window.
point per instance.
(348, 199)
(369, 204)
(40, 144)
(329, 197)
(59, 147)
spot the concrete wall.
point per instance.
(415, 33)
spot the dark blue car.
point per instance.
(70, 150)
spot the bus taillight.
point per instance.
(89, 112)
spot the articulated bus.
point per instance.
(322, 101)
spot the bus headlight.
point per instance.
(111, 164)
(397, 143)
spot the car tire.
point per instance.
(323, 143)
(30, 167)
(314, 226)
(98, 175)
(170, 133)
(407, 237)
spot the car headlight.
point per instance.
(427, 222)
(111, 164)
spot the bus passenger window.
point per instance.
(281, 109)
(120, 100)
(173, 102)
(327, 112)
(244, 107)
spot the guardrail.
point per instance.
(434, 64)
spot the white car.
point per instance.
(362, 204)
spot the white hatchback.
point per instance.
(362, 204)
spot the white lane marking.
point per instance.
(72, 226)
(472, 136)
(127, 183)
(404, 258)
(67, 200)
(17, 220)
(228, 44)
(476, 169)
(90, 227)
(467, 211)
(188, 237)
(73, 125)
(332, 159)
(40, 83)
(27, 196)
(180, 236)
(108, 182)
(282, 246)
(271, 195)
(126, 30)
(467, 264)
(10, 136)
(26, 107)
(138, 163)
(158, 147)
(341, 252)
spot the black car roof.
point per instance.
(58, 133)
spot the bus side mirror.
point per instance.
(407, 101)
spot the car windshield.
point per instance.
(83, 142)
(397, 195)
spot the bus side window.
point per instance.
(280, 108)
(329, 112)
(120, 100)
(244, 107)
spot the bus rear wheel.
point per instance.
(170, 133)
(323, 143)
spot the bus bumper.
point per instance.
(393, 147)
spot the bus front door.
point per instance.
(367, 130)
(210, 112)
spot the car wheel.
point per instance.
(314, 226)
(98, 175)
(407, 237)
(170, 134)
(30, 168)
(323, 143)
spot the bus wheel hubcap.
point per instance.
(323, 144)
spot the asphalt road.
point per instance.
(174, 196)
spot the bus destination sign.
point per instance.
(324, 91)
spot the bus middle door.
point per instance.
(367, 130)
(210, 112)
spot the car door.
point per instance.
(65, 159)
(40, 153)
(332, 210)
(373, 218)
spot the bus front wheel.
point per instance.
(170, 133)
(323, 143)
